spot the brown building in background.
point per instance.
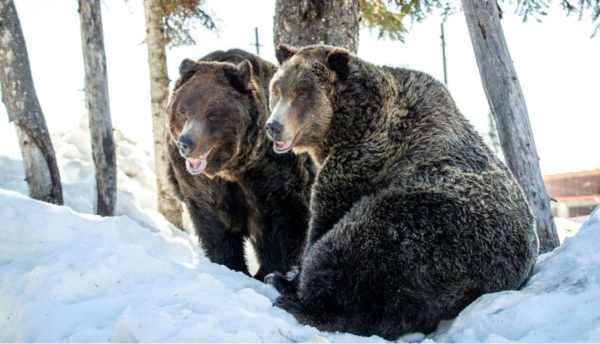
(577, 193)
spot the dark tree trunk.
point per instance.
(159, 92)
(96, 94)
(23, 107)
(306, 22)
(506, 101)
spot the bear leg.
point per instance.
(225, 247)
(269, 248)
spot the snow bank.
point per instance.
(74, 277)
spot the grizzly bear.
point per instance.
(412, 216)
(222, 167)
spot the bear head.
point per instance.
(210, 112)
(303, 95)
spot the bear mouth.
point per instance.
(198, 164)
(283, 146)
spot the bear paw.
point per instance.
(283, 285)
(270, 277)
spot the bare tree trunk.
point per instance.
(23, 107)
(306, 22)
(506, 101)
(96, 94)
(159, 92)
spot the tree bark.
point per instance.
(306, 22)
(506, 101)
(96, 94)
(159, 92)
(23, 107)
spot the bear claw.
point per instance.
(269, 278)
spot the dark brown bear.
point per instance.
(222, 166)
(412, 216)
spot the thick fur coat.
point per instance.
(247, 191)
(412, 216)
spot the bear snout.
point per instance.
(186, 144)
(274, 128)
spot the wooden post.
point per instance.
(96, 95)
(23, 107)
(444, 54)
(506, 101)
(257, 44)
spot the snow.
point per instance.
(67, 275)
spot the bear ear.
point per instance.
(245, 70)
(187, 68)
(338, 61)
(284, 52)
(240, 76)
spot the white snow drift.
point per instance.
(66, 275)
(71, 277)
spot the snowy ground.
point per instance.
(68, 276)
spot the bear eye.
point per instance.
(276, 93)
(301, 95)
(212, 117)
(183, 114)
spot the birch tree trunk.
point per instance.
(159, 92)
(23, 107)
(506, 101)
(96, 94)
(306, 22)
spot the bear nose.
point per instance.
(185, 144)
(274, 127)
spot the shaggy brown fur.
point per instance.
(245, 190)
(412, 216)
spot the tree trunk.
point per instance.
(23, 107)
(306, 22)
(506, 101)
(159, 92)
(96, 94)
